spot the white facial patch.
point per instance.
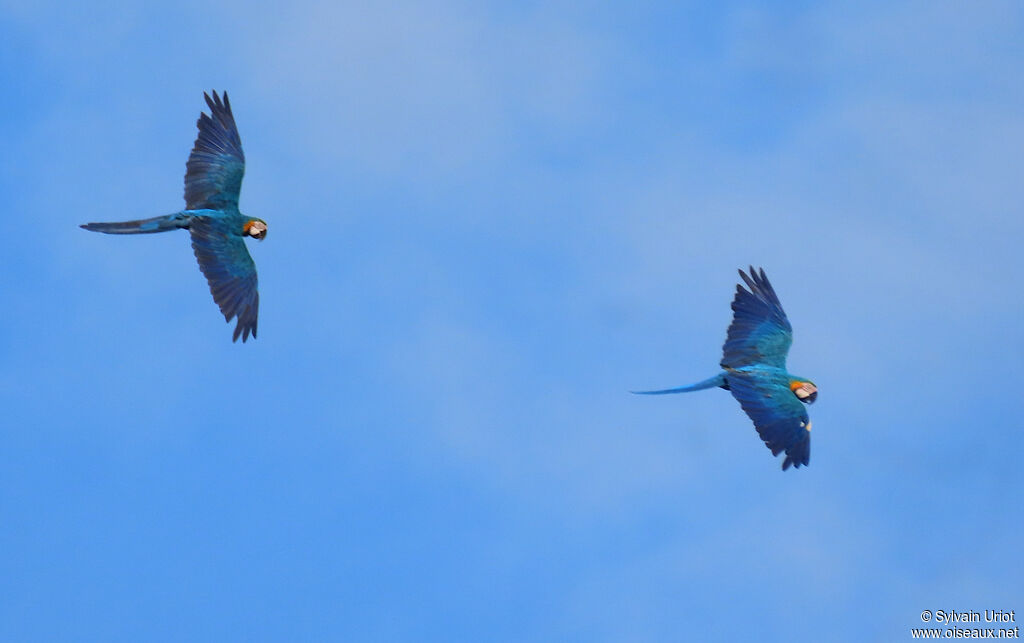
(805, 391)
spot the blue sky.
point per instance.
(488, 222)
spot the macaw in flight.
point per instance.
(754, 371)
(213, 179)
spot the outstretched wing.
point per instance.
(760, 332)
(779, 417)
(213, 174)
(229, 269)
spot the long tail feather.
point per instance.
(142, 226)
(711, 382)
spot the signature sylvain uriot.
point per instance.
(972, 616)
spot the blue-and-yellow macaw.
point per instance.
(213, 179)
(754, 371)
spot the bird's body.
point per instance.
(218, 229)
(754, 371)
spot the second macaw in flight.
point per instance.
(213, 179)
(754, 371)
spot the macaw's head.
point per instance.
(255, 228)
(804, 390)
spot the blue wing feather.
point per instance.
(760, 333)
(214, 171)
(230, 271)
(779, 417)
